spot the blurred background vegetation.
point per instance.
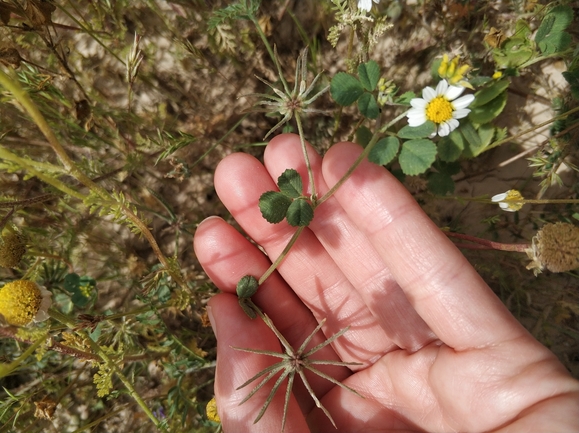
(146, 97)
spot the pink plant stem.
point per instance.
(486, 244)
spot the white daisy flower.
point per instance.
(441, 107)
(366, 5)
(510, 201)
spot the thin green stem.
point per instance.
(360, 158)
(527, 131)
(6, 369)
(264, 39)
(286, 250)
(27, 164)
(306, 158)
(70, 323)
(20, 95)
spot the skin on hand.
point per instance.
(438, 350)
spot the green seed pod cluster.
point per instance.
(555, 247)
(12, 248)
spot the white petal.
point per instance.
(418, 103)
(452, 124)
(505, 207)
(441, 87)
(428, 93)
(364, 5)
(416, 119)
(453, 92)
(499, 197)
(459, 114)
(444, 129)
(463, 102)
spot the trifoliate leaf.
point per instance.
(300, 213)
(368, 106)
(290, 183)
(450, 147)
(473, 141)
(490, 111)
(484, 96)
(421, 131)
(440, 183)
(384, 150)
(363, 136)
(345, 89)
(514, 53)
(369, 74)
(405, 98)
(550, 35)
(273, 206)
(417, 156)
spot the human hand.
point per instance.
(439, 351)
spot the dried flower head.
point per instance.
(12, 248)
(22, 302)
(555, 247)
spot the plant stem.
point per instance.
(27, 165)
(6, 369)
(534, 128)
(521, 248)
(30, 107)
(277, 262)
(65, 320)
(306, 158)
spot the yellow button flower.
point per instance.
(22, 302)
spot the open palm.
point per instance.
(438, 350)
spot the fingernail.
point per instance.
(211, 319)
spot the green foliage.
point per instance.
(451, 147)
(550, 35)
(417, 156)
(103, 379)
(82, 289)
(288, 203)
(347, 89)
(384, 151)
(421, 131)
(243, 9)
(369, 74)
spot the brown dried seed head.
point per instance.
(12, 248)
(556, 248)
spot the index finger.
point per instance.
(437, 279)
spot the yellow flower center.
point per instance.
(439, 110)
(514, 199)
(19, 302)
